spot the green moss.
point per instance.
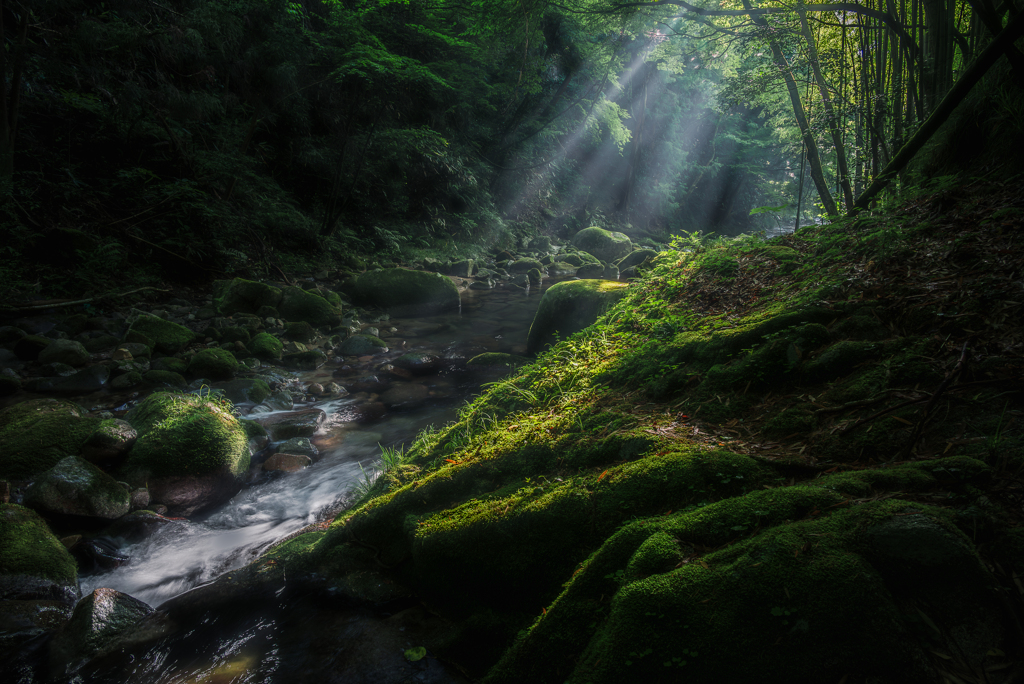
(569, 307)
(265, 346)
(161, 378)
(244, 296)
(213, 363)
(635, 258)
(299, 331)
(299, 305)
(525, 266)
(36, 434)
(27, 547)
(604, 245)
(167, 337)
(169, 363)
(498, 359)
(183, 434)
(402, 290)
(234, 334)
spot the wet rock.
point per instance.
(265, 346)
(525, 265)
(159, 378)
(368, 412)
(405, 396)
(136, 349)
(292, 424)
(37, 434)
(299, 445)
(418, 362)
(190, 451)
(287, 463)
(361, 345)
(234, 334)
(167, 337)
(486, 284)
(403, 291)
(535, 277)
(98, 620)
(110, 442)
(315, 388)
(569, 307)
(76, 487)
(635, 258)
(244, 296)
(300, 305)
(69, 352)
(335, 390)
(217, 364)
(139, 366)
(256, 434)
(57, 369)
(602, 244)
(29, 347)
(281, 400)
(244, 390)
(293, 347)
(139, 499)
(590, 271)
(91, 379)
(300, 331)
(33, 562)
(370, 384)
(562, 268)
(139, 525)
(121, 354)
(461, 269)
(307, 360)
(10, 334)
(97, 554)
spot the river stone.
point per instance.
(169, 363)
(57, 369)
(111, 441)
(85, 381)
(36, 434)
(190, 451)
(307, 360)
(406, 292)
(461, 269)
(287, 463)
(281, 400)
(590, 271)
(417, 362)
(635, 258)
(33, 562)
(559, 268)
(486, 284)
(10, 334)
(300, 331)
(164, 379)
(233, 334)
(569, 307)
(361, 345)
(214, 363)
(138, 525)
(256, 434)
(65, 351)
(98, 619)
(76, 487)
(300, 305)
(245, 296)
(9, 384)
(265, 346)
(167, 337)
(524, 265)
(243, 390)
(602, 244)
(29, 347)
(405, 395)
(292, 423)
(299, 445)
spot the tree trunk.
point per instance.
(801, 118)
(10, 100)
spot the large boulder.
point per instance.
(406, 292)
(37, 434)
(213, 363)
(603, 244)
(33, 562)
(265, 346)
(191, 451)
(362, 345)
(635, 258)
(76, 487)
(111, 441)
(285, 425)
(242, 390)
(98, 620)
(569, 307)
(244, 296)
(166, 337)
(65, 351)
(299, 305)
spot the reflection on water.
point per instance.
(194, 552)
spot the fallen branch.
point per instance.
(72, 302)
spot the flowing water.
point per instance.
(193, 552)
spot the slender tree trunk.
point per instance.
(10, 98)
(830, 115)
(801, 118)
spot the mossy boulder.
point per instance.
(590, 271)
(241, 390)
(76, 487)
(244, 296)
(266, 347)
(33, 562)
(111, 441)
(299, 305)
(406, 292)
(300, 331)
(604, 245)
(98, 620)
(307, 360)
(169, 363)
(560, 268)
(525, 266)
(569, 307)
(65, 351)
(635, 258)
(362, 345)
(234, 334)
(161, 378)
(190, 451)
(213, 363)
(39, 433)
(166, 337)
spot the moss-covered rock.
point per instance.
(603, 244)
(161, 378)
(245, 296)
(590, 271)
(525, 266)
(361, 345)
(300, 331)
(407, 292)
(266, 347)
(76, 487)
(190, 451)
(570, 307)
(33, 562)
(307, 360)
(561, 268)
(37, 434)
(169, 363)
(99, 619)
(299, 305)
(167, 337)
(234, 334)
(110, 442)
(65, 351)
(635, 258)
(213, 363)
(240, 390)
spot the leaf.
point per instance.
(415, 653)
(601, 476)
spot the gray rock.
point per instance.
(98, 620)
(299, 445)
(287, 463)
(362, 345)
(417, 362)
(76, 487)
(291, 424)
(590, 271)
(65, 351)
(307, 360)
(111, 441)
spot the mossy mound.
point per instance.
(37, 434)
(161, 378)
(266, 347)
(300, 305)
(164, 336)
(604, 245)
(253, 390)
(184, 434)
(213, 363)
(591, 271)
(635, 258)
(76, 487)
(570, 307)
(300, 331)
(525, 266)
(407, 292)
(498, 359)
(244, 296)
(33, 562)
(360, 345)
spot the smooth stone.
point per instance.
(111, 441)
(287, 463)
(98, 620)
(76, 487)
(405, 396)
(65, 351)
(291, 424)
